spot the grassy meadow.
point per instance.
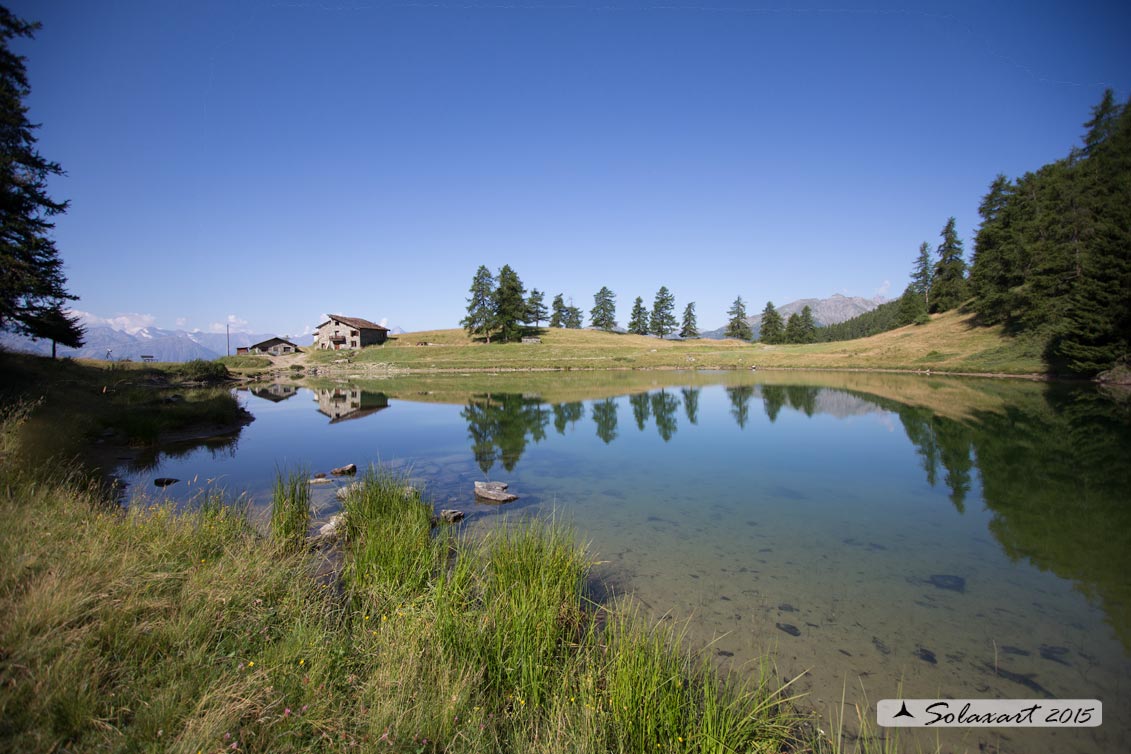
(949, 343)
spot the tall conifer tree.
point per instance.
(663, 313)
(689, 328)
(948, 284)
(737, 326)
(604, 312)
(510, 304)
(480, 317)
(773, 329)
(638, 321)
(558, 315)
(32, 284)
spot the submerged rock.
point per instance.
(494, 492)
(947, 581)
(926, 655)
(789, 628)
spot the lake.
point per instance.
(879, 535)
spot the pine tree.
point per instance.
(638, 321)
(557, 319)
(572, 317)
(689, 328)
(808, 326)
(663, 313)
(773, 329)
(948, 284)
(604, 312)
(510, 304)
(32, 286)
(921, 273)
(536, 310)
(57, 326)
(912, 308)
(737, 326)
(481, 305)
(1096, 329)
(793, 329)
(997, 268)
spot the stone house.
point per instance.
(273, 346)
(340, 332)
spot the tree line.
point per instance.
(499, 306)
(1052, 256)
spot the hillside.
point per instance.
(826, 311)
(949, 343)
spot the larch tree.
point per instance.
(948, 282)
(922, 272)
(773, 328)
(603, 315)
(638, 320)
(558, 307)
(737, 325)
(793, 332)
(536, 310)
(808, 326)
(689, 328)
(663, 313)
(480, 305)
(32, 284)
(510, 304)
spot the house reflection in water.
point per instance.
(274, 393)
(344, 403)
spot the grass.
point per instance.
(290, 509)
(950, 342)
(245, 362)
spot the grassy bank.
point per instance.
(85, 407)
(188, 631)
(949, 343)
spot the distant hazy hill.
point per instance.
(163, 345)
(826, 311)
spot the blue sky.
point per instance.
(265, 163)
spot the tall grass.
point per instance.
(290, 509)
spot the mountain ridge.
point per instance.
(826, 311)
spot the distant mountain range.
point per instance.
(162, 345)
(826, 311)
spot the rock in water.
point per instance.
(926, 655)
(164, 481)
(349, 468)
(494, 492)
(947, 581)
(789, 628)
(320, 480)
(449, 516)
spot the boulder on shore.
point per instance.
(349, 468)
(494, 492)
(330, 531)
